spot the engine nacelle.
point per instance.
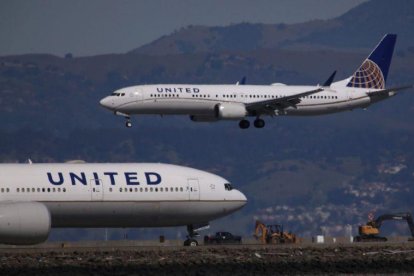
(24, 223)
(230, 111)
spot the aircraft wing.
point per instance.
(386, 91)
(279, 103)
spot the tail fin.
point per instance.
(374, 70)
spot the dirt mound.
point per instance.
(235, 260)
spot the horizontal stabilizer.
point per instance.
(386, 91)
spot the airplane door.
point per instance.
(193, 189)
(96, 187)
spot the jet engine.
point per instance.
(24, 223)
(230, 111)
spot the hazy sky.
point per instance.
(89, 27)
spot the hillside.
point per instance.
(357, 28)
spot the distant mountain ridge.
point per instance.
(357, 28)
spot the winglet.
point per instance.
(329, 81)
(242, 81)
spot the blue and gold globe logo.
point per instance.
(369, 75)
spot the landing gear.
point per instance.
(191, 241)
(244, 124)
(259, 123)
(128, 123)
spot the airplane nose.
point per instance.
(243, 198)
(240, 199)
(105, 102)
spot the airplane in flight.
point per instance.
(210, 103)
(37, 197)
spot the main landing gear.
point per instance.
(258, 123)
(191, 241)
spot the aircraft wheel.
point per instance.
(259, 123)
(190, 242)
(128, 124)
(244, 124)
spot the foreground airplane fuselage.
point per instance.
(208, 103)
(35, 197)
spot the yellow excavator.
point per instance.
(370, 231)
(273, 234)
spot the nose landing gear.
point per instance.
(128, 123)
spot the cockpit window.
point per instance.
(228, 187)
(118, 94)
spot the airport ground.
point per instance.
(137, 258)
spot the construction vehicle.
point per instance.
(370, 231)
(273, 234)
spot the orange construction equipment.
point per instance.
(273, 234)
(370, 231)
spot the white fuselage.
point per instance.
(120, 195)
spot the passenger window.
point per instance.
(181, 189)
(151, 189)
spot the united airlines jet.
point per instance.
(209, 103)
(36, 197)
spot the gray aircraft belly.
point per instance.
(136, 214)
(172, 107)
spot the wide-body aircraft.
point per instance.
(36, 197)
(209, 103)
